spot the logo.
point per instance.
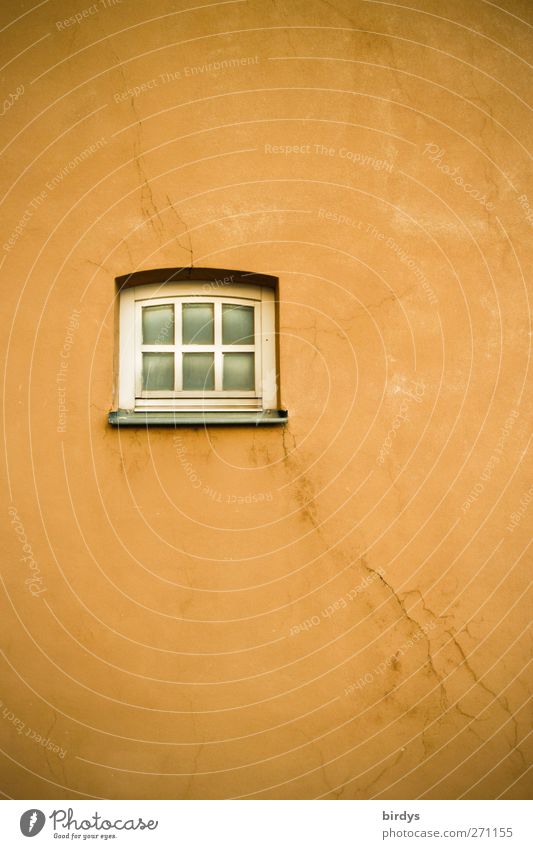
(32, 822)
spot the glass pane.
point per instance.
(198, 372)
(198, 324)
(158, 325)
(237, 325)
(239, 372)
(158, 371)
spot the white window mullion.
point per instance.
(239, 349)
(269, 382)
(198, 349)
(258, 339)
(138, 348)
(218, 346)
(157, 349)
(178, 350)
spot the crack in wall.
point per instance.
(494, 696)
(383, 772)
(405, 614)
(185, 230)
(303, 487)
(149, 208)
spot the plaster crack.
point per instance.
(392, 297)
(405, 613)
(495, 696)
(383, 772)
(46, 751)
(185, 230)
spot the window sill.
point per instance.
(124, 418)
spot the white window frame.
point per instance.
(132, 397)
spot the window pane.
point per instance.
(237, 325)
(158, 325)
(198, 372)
(239, 372)
(158, 371)
(198, 324)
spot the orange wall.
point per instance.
(336, 608)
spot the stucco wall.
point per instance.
(335, 608)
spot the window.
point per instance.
(197, 347)
(191, 349)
